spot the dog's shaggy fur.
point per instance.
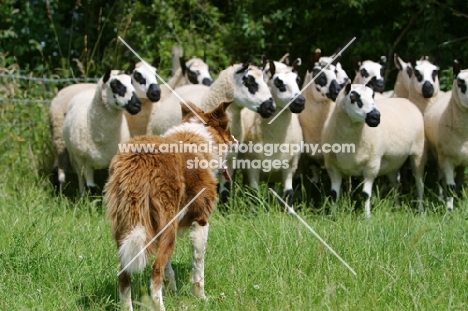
(145, 192)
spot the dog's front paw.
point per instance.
(199, 291)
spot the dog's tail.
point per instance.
(132, 252)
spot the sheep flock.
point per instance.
(404, 134)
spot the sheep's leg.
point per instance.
(336, 179)
(125, 290)
(288, 175)
(417, 164)
(459, 177)
(164, 249)
(253, 176)
(199, 238)
(169, 276)
(315, 173)
(367, 191)
(89, 176)
(448, 169)
(62, 166)
(393, 180)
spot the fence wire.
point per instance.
(35, 101)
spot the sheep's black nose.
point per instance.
(134, 105)
(427, 89)
(298, 104)
(333, 90)
(207, 81)
(267, 108)
(373, 118)
(154, 92)
(379, 86)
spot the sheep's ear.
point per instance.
(356, 64)
(156, 62)
(106, 75)
(296, 65)
(317, 55)
(264, 61)
(183, 66)
(348, 87)
(204, 56)
(130, 68)
(243, 67)
(456, 68)
(398, 62)
(311, 63)
(383, 60)
(272, 68)
(285, 59)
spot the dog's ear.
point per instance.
(218, 115)
(188, 108)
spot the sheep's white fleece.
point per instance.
(380, 150)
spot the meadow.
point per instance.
(57, 253)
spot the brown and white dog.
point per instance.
(146, 190)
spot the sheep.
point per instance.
(192, 71)
(147, 88)
(57, 112)
(284, 86)
(447, 132)
(384, 135)
(372, 73)
(95, 125)
(320, 98)
(424, 85)
(403, 79)
(148, 91)
(241, 83)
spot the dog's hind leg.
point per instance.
(125, 291)
(164, 249)
(169, 276)
(199, 238)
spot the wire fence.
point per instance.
(44, 80)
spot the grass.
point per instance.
(57, 253)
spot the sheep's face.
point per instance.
(145, 83)
(120, 93)
(460, 87)
(324, 84)
(405, 71)
(425, 80)
(341, 75)
(367, 71)
(283, 82)
(359, 103)
(196, 71)
(251, 91)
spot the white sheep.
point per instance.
(147, 88)
(384, 135)
(192, 71)
(95, 125)
(148, 91)
(285, 129)
(241, 83)
(320, 98)
(371, 73)
(424, 85)
(448, 131)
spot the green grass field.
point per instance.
(57, 253)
